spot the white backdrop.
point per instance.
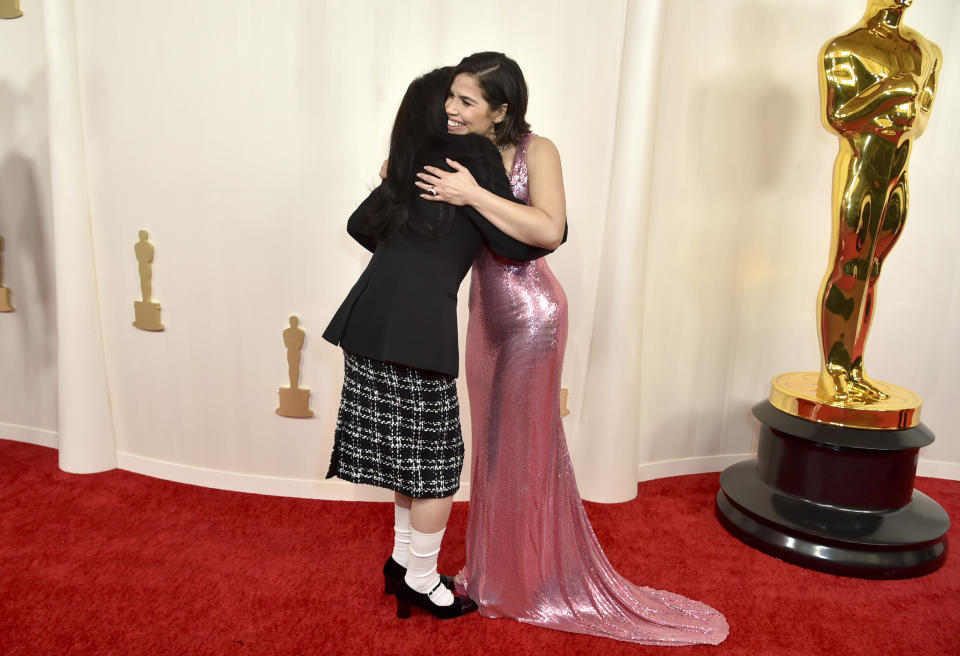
(241, 135)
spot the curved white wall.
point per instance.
(242, 135)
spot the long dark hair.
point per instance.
(420, 137)
(502, 82)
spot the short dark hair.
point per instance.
(501, 81)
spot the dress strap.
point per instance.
(519, 179)
(520, 157)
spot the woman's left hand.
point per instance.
(456, 188)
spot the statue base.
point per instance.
(5, 305)
(10, 10)
(796, 394)
(835, 499)
(147, 316)
(294, 403)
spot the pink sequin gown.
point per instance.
(531, 552)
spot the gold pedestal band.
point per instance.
(796, 393)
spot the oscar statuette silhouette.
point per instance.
(146, 312)
(294, 400)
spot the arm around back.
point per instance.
(358, 225)
(499, 242)
(542, 223)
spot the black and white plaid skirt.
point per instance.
(398, 428)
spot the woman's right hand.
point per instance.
(457, 188)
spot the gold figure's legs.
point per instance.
(870, 211)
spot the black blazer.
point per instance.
(403, 309)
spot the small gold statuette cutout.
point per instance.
(10, 9)
(564, 395)
(5, 305)
(877, 86)
(294, 400)
(147, 312)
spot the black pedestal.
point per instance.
(838, 500)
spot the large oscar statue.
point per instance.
(832, 485)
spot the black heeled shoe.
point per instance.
(393, 573)
(407, 597)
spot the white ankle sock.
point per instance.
(401, 534)
(422, 573)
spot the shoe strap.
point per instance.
(434, 589)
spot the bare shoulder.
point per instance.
(546, 176)
(542, 155)
(542, 147)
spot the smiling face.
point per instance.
(468, 111)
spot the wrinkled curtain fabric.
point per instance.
(242, 135)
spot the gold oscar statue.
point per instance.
(10, 9)
(5, 305)
(877, 85)
(146, 312)
(294, 400)
(832, 485)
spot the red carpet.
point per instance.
(118, 563)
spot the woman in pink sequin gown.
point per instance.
(531, 552)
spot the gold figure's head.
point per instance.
(895, 5)
(294, 321)
(143, 235)
(892, 8)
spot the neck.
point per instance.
(888, 13)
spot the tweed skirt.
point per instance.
(398, 428)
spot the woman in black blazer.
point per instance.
(399, 421)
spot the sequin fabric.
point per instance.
(531, 552)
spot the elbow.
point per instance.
(557, 237)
